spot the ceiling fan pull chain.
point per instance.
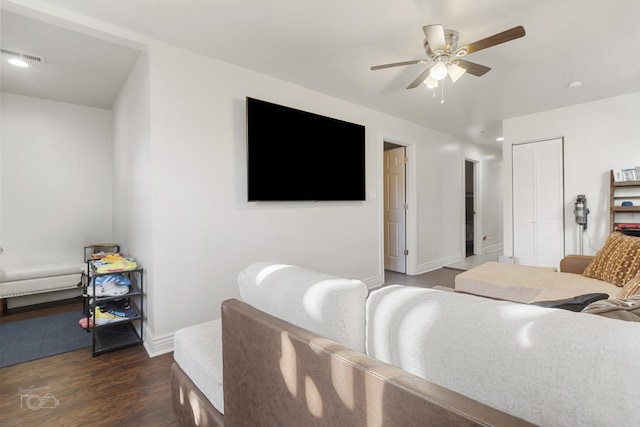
(442, 99)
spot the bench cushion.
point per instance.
(198, 352)
(38, 271)
(39, 278)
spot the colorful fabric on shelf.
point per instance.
(119, 308)
(114, 263)
(111, 285)
(113, 311)
(101, 318)
(116, 279)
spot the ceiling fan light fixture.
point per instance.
(455, 72)
(438, 71)
(430, 82)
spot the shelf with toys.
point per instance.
(113, 291)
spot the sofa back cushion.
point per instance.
(618, 261)
(326, 305)
(547, 366)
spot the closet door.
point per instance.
(538, 208)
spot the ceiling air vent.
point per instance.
(22, 55)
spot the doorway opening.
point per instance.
(395, 208)
(470, 207)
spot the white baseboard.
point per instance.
(155, 346)
(373, 282)
(498, 247)
(439, 263)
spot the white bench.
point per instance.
(37, 279)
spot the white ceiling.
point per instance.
(330, 45)
(76, 68)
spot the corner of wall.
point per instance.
(157, 346)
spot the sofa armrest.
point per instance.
(279, 374)
(575, 263)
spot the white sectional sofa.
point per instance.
(548, 366)
(544, 366)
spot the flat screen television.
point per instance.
(294, 155)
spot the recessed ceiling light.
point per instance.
(18, 62)
(499, 139)
(575, 85)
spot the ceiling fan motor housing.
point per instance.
(451, 44)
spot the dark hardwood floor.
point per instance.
(124, 387)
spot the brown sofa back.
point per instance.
(575, 263)
(276, 374)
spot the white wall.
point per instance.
(132, 215)
(56, 180)
(179, 187)
(441, 220)
(491, 211)
(598, 136)
(204, 230)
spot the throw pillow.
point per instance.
(631, 288)
(618, 260)
(628, 309)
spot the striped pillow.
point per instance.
(618, 261)
(630, 289)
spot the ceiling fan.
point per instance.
(444, 57)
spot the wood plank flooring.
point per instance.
(440, 277)
(125, 387)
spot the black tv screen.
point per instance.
(294, 155)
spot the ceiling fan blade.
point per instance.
(472, 67)
(398, 64)
(435, 37)
(505, 36)
(422, 77)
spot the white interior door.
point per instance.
(524, 208)
(394, 210)
(538, 208)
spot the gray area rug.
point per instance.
(31, 339)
